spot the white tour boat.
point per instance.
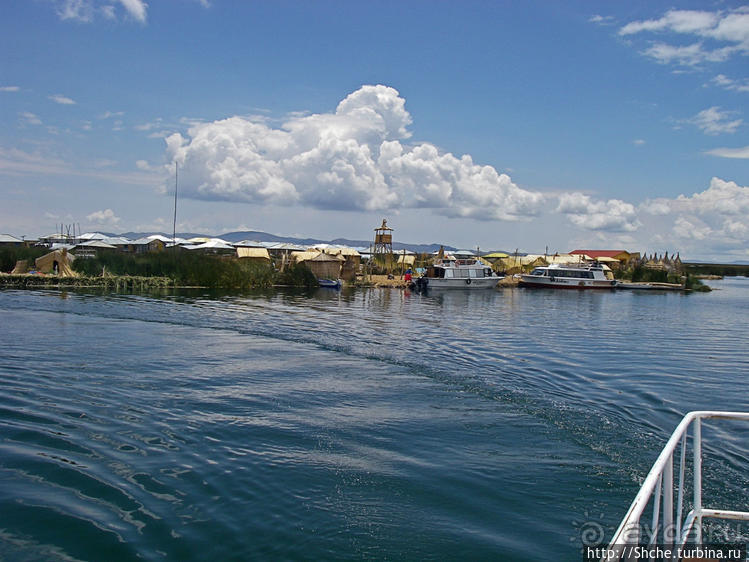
(451, 273)
(556, 276)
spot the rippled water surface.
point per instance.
(368, 424)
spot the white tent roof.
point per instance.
(250, 244)
(463, 253)
(203, 240)
(334, 249)
(144, 241)
(214, 244)
(117, 241)
(96, 244)
(7, 238)
(91, 236)
(159, 237)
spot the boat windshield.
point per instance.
(538, 272)
(575, 273)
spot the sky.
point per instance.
(537, 126)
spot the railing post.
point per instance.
(698, 480)
(668, 502)
(680, 500)
(656, 511)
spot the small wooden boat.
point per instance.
(329, 283)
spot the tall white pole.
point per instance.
(174, 226)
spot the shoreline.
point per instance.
(32, 281)
(142, 283)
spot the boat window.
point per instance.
(473, 273)
(538, 272)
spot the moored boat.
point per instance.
(451, 273)
(556, 276)
(329, 283)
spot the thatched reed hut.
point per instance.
(322, 265)
(255, 255)
(57, 262)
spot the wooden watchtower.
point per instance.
(383, 243)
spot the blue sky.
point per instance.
(495, 124)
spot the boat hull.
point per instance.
(459, 283)
(565, 283)
(329, 283)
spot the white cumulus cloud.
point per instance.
(730, 84)
(136, 9)
(717, 217)
(680, 21)
(710, 29)
(613, 215)
(714, 121)
(356, 158)
(87, 11)
(693, 229)
(104, 217)
(722, 198)
(30, 118)
(730, 152)
(62, 100)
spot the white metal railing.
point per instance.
(659, 485)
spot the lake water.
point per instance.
(371, 424)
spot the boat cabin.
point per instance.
(459, 269)
(562, 272)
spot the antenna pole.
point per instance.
(174, 226)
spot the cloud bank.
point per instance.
(730, 152)
(718, 217)
(714, 121)
(62, 100)
(717, 35)
(359, 158)
(356, 158)
(87, 11)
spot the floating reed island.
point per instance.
(154, 265)
(113, 282)
(166, 269)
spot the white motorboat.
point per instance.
(556, 276)
(451, 273)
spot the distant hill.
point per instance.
(266, 237)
